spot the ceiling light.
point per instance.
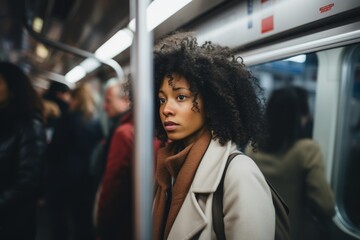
(160, 10)
(75, 74)
(90, 64)
(115, 45)
(41, 51)
(37, 24)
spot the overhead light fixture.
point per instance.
(37, 24)
(75, 74)
(115, 45)
(41, 51)
(299, 59)
(160, 10)
(157, 12)
(90, 64)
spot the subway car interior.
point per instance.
(313, 44)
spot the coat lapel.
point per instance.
(189, 221)
(192, 219)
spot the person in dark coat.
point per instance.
(22, 147)
(71, 196)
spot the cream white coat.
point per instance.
(249, 213)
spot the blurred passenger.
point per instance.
(116, 105)
(114, 206)
(71, 195)
(306, 119)
(295, 166)
(51, 110)
(51, 113)
(22, 147)
(207, 106)
(60, 94)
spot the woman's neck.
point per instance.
(193, 137)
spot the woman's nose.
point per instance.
(168, 108)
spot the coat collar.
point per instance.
(191, 219)
(212, 165)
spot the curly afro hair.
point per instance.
(233, 108)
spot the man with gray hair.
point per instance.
(116, 105)
(114, 202)
(115, 100)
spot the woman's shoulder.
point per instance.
(243, 165)
(306, 142)
(307, 152)
(244, 176)
(33, 121)
(306, 145)
(31, 127)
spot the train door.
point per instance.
(347, 144)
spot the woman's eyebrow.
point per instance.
(180, 88)
(176, 89)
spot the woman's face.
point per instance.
(4, 91)
(180, 119)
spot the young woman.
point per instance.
(208, 108)
(22, 147)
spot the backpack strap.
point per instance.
(282, 228)
(217, 206)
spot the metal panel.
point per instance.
(245, 22)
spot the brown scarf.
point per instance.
(182, 167)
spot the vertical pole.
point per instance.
(142, 72)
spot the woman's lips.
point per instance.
(170, 126)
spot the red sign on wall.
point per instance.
(267, 24)
(326, 8)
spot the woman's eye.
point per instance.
(162, 100)
(181, 97)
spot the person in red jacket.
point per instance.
(116, 106)
(114, 204)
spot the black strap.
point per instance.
(217, 206)
(282, 229)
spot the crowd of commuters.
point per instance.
(207, 106)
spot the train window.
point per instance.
(299, 70)
(348, 143)
(319, 73)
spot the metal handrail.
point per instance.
(142, 72)
(73, 50)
